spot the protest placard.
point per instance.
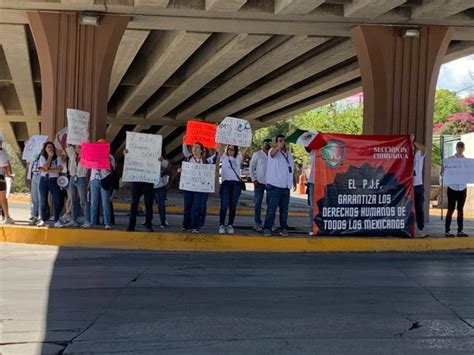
(458, 171)
(234, 131)
(33, 147)
(78, 126)
(95, 155)
(202, 132)
(142, 161)
(197, 177)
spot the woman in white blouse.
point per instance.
(231, 186)
(50, 165)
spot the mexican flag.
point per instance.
(308, 139)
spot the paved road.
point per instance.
(103, 301)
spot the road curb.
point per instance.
(216, 243)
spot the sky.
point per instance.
(458, 76)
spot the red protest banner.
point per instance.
(202, 132)
(95, 155)
(364, 186)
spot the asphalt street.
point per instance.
(71, 301)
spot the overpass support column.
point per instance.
(399, 76)
(76, 63)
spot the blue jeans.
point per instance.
(311, 204)
(277, 198)
(99, 193)
(50, 185)
(230, 193)
(192, 209)
(258, 199)
(79, 194)
(203, 212)
(160, 198)
(35, 195)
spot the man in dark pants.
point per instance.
(139, 189)
(419, 161)
(456, 199)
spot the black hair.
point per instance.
(43, 151)
(460, 145)
(200, 145)
(236, 150)
(163, 152)
(279, 136)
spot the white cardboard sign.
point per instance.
(33, 147)
(234, 131)
(142, 162)
(458, 171)
(197, 177)
(77, 126)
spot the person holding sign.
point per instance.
(231, 186)
(101, 186)
(33, 178)
(160, 189)
(50, 166)
(456, 198)
(280, 168)
(78, 184)
(193, 199)
(419, 161)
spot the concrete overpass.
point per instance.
(150, 65)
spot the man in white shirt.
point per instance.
(456, 199)
(279, 179)
(419, 161)
(258, 174)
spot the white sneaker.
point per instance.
(86, 225)
(72, 224)
(221, 230)
(58, 224)
(8, 220)
(108, 227)
(42, 224)
(230, 229)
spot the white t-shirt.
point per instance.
(3, 161)
(227, 173)
(258, 167)
(457, 187)
(280, 169)
(312, 156)
(418, 168)
(54, 163)
(75, 168)
(102, 173)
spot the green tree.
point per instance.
(446, 103)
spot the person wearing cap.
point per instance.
(5, 171)
(258, 174)
(456, 198)
(279, 178)
(78, 182)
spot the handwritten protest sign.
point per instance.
(33, 147)
(234, 131)
(202, 132)
(78, 126)
(142, 161)
(458, 171)
(95, 155)
(60, 139)
(197, 177)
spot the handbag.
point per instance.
(242, 184)
(109, 182)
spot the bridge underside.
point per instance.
(193, 59)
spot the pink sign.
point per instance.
(95, 155)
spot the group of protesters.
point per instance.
(271, 170)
